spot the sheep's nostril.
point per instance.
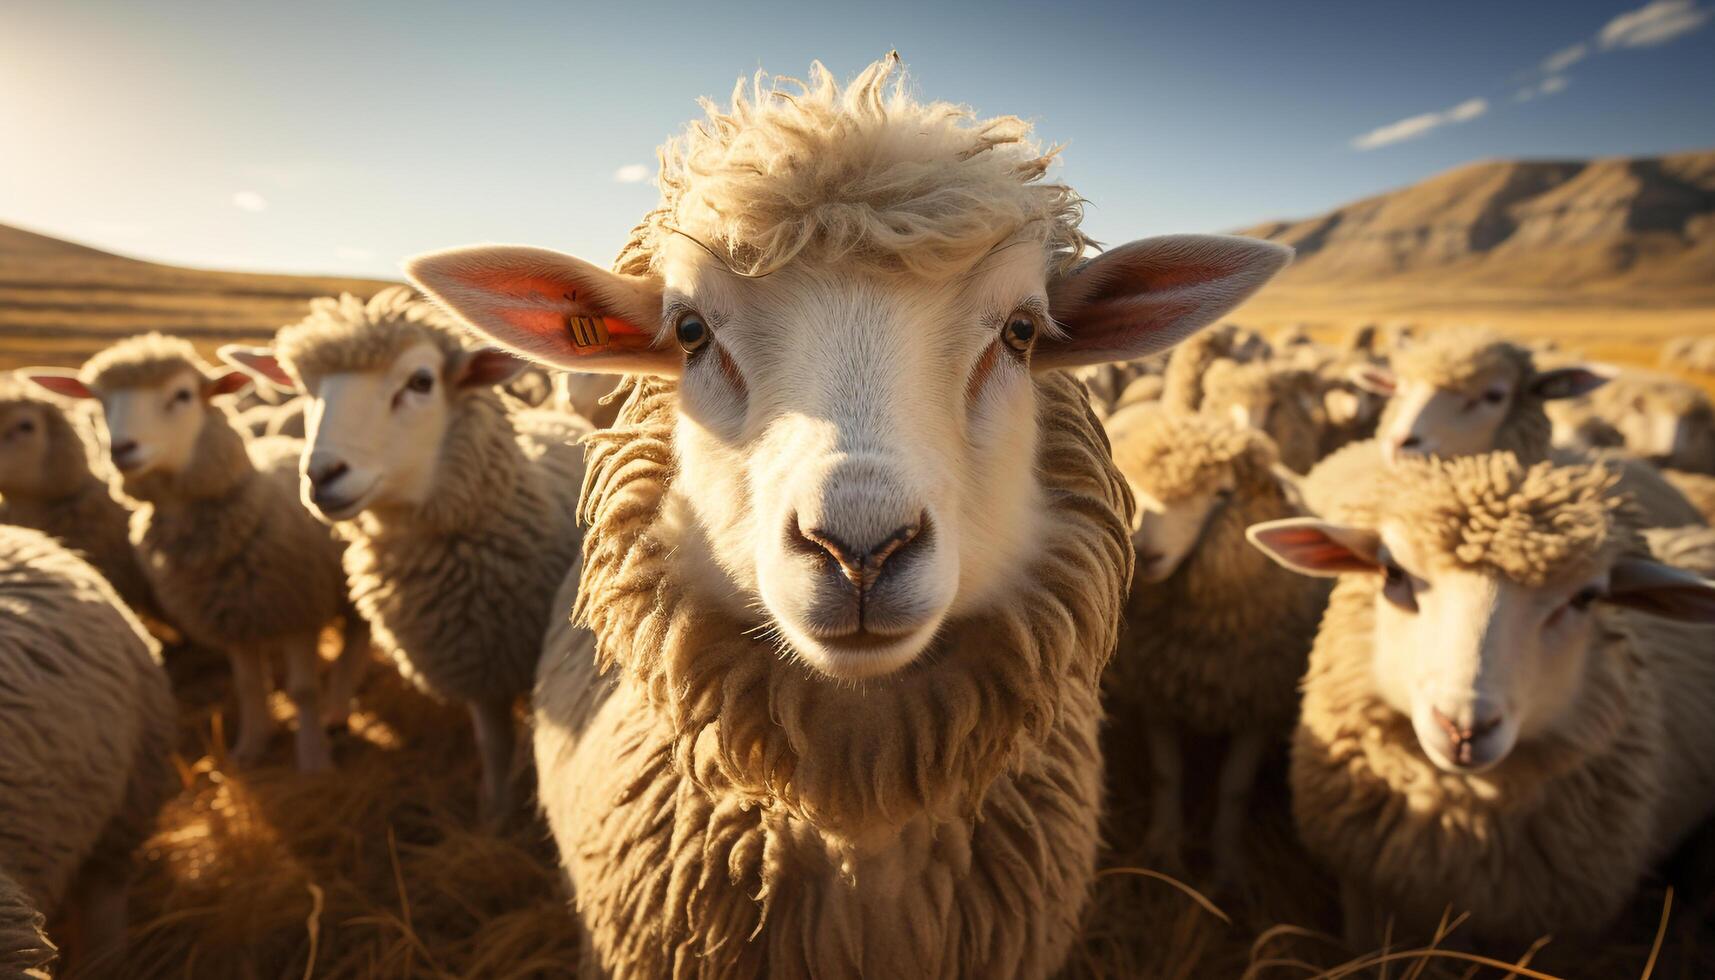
(324, 474)
(1410, 442)
(861, 566)
(125, 448)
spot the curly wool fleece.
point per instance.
(722, 811)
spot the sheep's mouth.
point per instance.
(340, 507)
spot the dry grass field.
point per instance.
(377, 870)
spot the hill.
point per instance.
(61, 301)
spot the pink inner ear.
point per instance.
(63, 385)
(228, 383)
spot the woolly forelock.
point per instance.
(1172, 455)
(143, 361)
(864, 173)
(1457, 358)
(747, 721)
(347, 334)
(1535, 525)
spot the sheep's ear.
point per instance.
(1313, 547)
(1571, 382)
(226, 383)
(260, 363)
(487, 367)
(1661, 590)
(60, 382)
(1144, 297)
(1374, 379)
(551, 308)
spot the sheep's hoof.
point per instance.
(1231, 871)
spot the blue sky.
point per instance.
(342, 137)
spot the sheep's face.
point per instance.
(155, 428)
(856, 448)
(373, 438)
(1664, 428)
(23, 447)
(1477, 661)
(1425, 420)
(1166, 530)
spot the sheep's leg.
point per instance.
(1167, 809)
(303, 688)
(348, 671)
(1359, 912)
(1238, 777)
(255, 722)
(495, 742)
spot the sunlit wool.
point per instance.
(66, 499)
(718, 824)
(86, 728)
(1555, 838)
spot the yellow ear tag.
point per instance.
(587, 332)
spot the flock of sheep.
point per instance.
(820, 608)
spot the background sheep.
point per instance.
(86, 725)
(1656, 417)
(460, 516)
(48, 482)
(1216, 635)
(1464, 391)
(236, 562)
(1507, 708)
(778, 539)
(1278, 401)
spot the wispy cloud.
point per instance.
(249, 201)
(1548, 86)
(631, 173)
(353, 253)
(1656, 22)
(1565, 58)
(1415, 126)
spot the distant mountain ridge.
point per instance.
(1606, 225)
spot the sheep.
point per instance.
(86, 731)
(1693, 353)
(1110, 385)
(1464, 391)
(1698, 488)
(855, 547)
(1216, 635)
(1282, 402)
(460, 517)
(48, 481)
(587, 395)
(1654, 416)
(1507, 706)
(235, 561)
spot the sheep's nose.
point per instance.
(861, 564)
(323, 474)
(120, 449)
(1463, 737)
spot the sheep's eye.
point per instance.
(25, 427)
(1019, 332)
(421, 382)
(691, 332)
(1224, 494)
(1397, 587)
(1494, 396)
(1585, 598)
(180, 397)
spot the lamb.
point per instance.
(48, 482)
(460, 518)
(236, 562)
(1507, 707)
(86, 731)
(1216, 635)
(1463, 391)
(855, 547)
